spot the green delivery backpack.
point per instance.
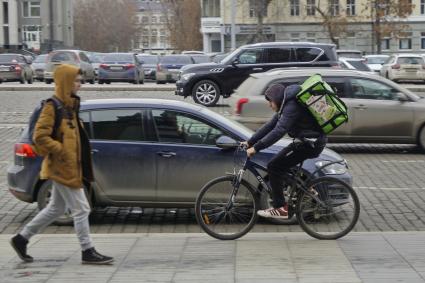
(322, 103)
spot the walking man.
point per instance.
(67, 163)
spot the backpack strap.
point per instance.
(57, 104)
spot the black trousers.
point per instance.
(288, 157)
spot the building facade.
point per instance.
(36, 25)
(154, 35)
(298, 20)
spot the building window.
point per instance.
(31, 9)
(5, 13)
(334, 7)
(351, 7)
(162, 31)
(154, 31)
(295, 37)
(154, 19)
(311, 37)
(153, 41)
(162, 19)
(422, 40)
(257, 6)
(422, 7)
(210, 8)
(405, 43)
(295, 7)
(311, 7)
(385, 44)
(145, 19)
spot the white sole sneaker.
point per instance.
(266, 214)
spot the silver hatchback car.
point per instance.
(379, 109)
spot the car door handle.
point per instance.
(361, 107)
(257, 69)
(94, 151)
(166, 154)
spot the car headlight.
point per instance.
(187, 76)
(332, 169)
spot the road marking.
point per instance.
(403, 161)
(388, 188)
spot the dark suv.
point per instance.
(206, 82)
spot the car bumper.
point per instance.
(19, 184)
(128, 76)
(405, 75)
(10, 76)
(182, 89)
(150, 74)
(48, 75)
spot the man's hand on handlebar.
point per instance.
(250, 152)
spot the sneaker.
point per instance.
(277, 213)
(91, 256)
(19, 244)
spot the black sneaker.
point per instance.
(19, 244)
(91, 256)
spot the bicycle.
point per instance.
(325, 207)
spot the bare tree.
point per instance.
(183, 20)
(386, 17)
(104, 25)
(333, 21)
(258, 9)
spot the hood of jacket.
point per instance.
(64, 77)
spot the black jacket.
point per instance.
(292, 119)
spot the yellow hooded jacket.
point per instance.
(63, 160)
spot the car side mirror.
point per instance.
(226, 142)
(402, 97)
(235, 62)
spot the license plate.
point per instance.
(115, 68)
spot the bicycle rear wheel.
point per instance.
(220, 220)
(336, 214)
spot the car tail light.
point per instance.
(18, 68)
(159, 67)
(239, 105)
(24, 150)
(129, 66)
(396, 66)
(103, 66)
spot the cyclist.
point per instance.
(308, 142)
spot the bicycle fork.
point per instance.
(235, 184)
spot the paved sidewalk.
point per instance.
(257, 257)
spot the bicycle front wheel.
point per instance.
(224, 214)
(334, 215)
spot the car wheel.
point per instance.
(266, 202)
(108, 82)
(92, 81)
(48, 81)
(160, 82)
(421, 138)
(206, 92)
(100, 82)
(142, 82)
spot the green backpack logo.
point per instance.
(322, 103)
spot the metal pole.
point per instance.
(233, 35)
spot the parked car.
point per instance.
(375, 62)
(152, 153)
(169, 66)
(349, 53)
(15, 68)
(74, 57)
(200, 58)
(379, 109)
(149, 63)
(355, 64)
(404, 67)
(38, 66)
(95, 60)
(207, 82)
(121, 67)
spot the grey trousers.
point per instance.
(63, 198)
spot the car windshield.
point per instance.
(201, 59)
(243, 129)
(114, 57)
(95, 58)
(176, 60)
(8, 58)
(230, 56)
(410, 60)
(359, 65)
(148, 59)
(40, 59)
(376, 60)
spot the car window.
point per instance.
(84, 57)
(148, 59)
(359, 65)
(62, 57)
(250, 56)
(177, 127)
(278, 55)
(118, 124)
(40, 59)
(307, 54)
(338, 84)
(410, 60)
(85, 118)
(369, 89)
(118, 57)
